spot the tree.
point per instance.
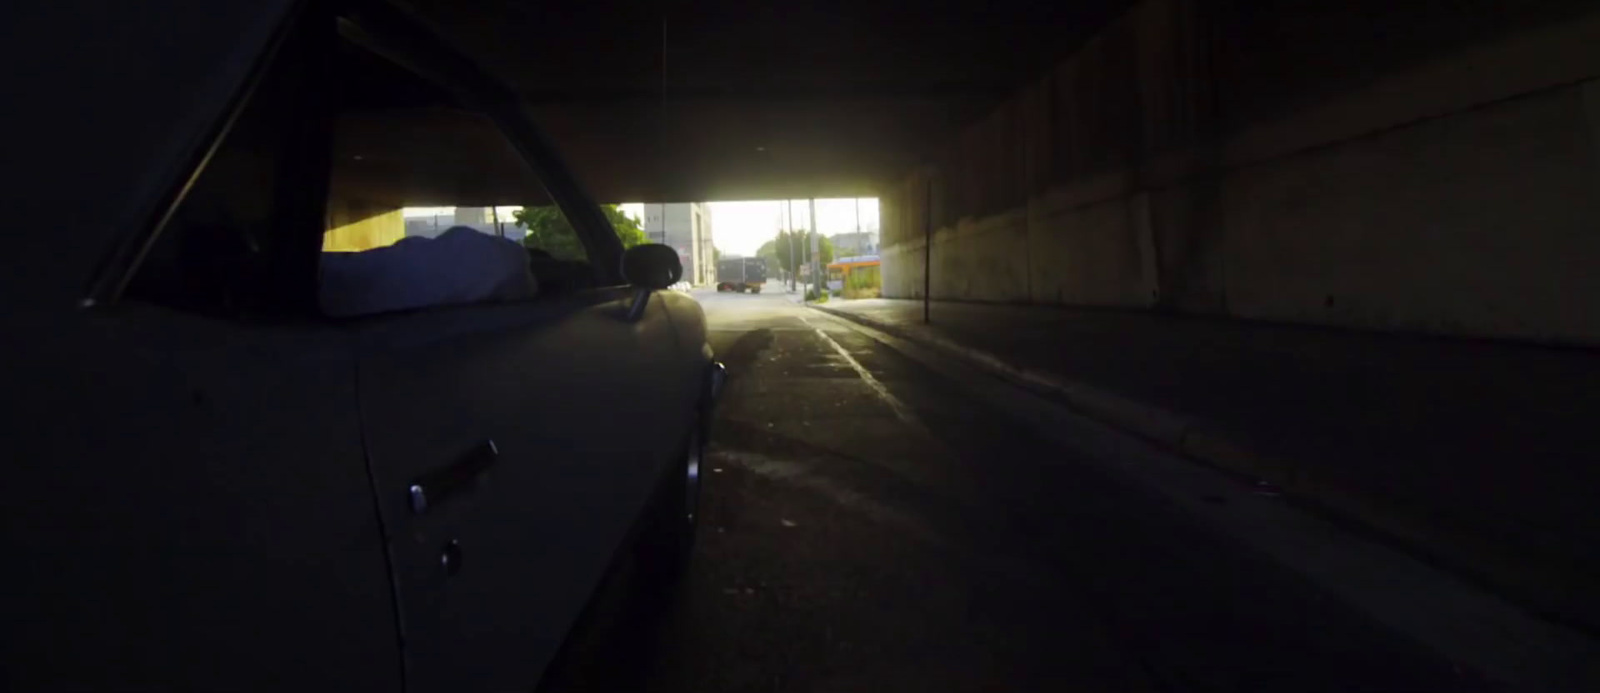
(548, 230)
(780, 251)
(628, 229)
(825, 251)
(769, 252)
(802, 249)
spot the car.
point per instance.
(214, 484)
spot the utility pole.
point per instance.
(927, 255)
(794, 276)
(777, 222)
(816, 248)
(805, 258)
(858, 229)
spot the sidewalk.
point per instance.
(1481, 456)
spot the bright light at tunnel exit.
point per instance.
(739, 228)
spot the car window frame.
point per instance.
(126, 254)
(395, 35)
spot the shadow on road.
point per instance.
(745, 350)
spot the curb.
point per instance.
(1152, 423)
(1545, 588)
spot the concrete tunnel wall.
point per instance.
(1357, 163)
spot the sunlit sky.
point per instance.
(739, 228)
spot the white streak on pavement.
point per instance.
(900, 408)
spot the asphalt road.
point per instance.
(868, 526)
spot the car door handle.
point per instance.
(435, 487)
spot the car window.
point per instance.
(410, 161)
(431, 204)
(243, 238)
(359, 158)
(546, 231)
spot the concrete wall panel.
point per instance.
(982, 260)
(1477, 223)
(1189, 244)
(1086, 256)
(1401, 167)
(355, 226)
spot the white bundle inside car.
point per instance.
(460, 266)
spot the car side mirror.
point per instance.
(650, 267)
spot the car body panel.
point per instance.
(188, 507)
(212, 503)
(81, 168)
(585, 411)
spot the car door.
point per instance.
(187, 504)
(189, 508)
(513, 446)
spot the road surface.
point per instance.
(868, 525)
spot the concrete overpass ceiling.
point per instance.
(672, 101)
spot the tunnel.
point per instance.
(1164, 172)
(1211, 344)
